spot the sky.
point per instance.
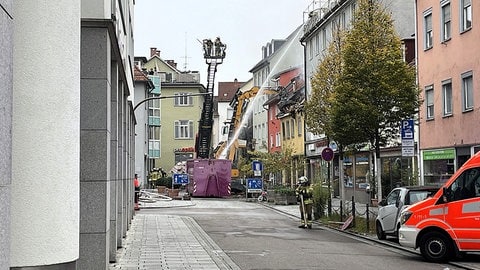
(175, 27)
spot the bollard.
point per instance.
(353, 211)
(329, 207)
(368, 217)
(341, 210)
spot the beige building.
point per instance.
(448, 67)
(173, 120)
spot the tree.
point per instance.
(376, 88)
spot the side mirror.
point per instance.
(383, 202)
(445, 195)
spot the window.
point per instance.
(311, 49)
(299, 125)
(466, 186)
(447, 97)
(292, 126)
(467, 91)
(428, 42)
(154, 142)
(429, 101)
(278, 139)
(183, 129)
(446, 22)
(183, 99)
(324, 39)
(154, 112)
(466, 14)
(287, 129)
(317, 44)
(393, 197)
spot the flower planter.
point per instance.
(284, 199)
(172, 193)
(162, 190)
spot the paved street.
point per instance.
(165, 235)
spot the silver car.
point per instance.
(387, 222)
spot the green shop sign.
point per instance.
(439, 154)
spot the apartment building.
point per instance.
(278, 55)
(144, 147)
(448, 68)
(173, 119)
(321, 19)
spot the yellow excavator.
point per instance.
(230, 149)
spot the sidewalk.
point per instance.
(175, 242)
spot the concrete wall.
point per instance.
(46, 134)
(6, 63)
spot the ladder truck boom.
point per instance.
(214, 53)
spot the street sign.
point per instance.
(257, 168)
(327, 154)
(254, 185)
(408, 143)
(180, 178)
(408, 151)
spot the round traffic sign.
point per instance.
(327, 154)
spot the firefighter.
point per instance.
(304, 193)
(136, 184)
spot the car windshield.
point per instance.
(415, 196)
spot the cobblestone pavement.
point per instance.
(169, 242)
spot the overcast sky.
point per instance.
(175, 26)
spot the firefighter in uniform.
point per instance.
(305, 190)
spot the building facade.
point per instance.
(226, 92)
(171, 135)
(279, 55)
(448, 67)
(321, 19)
(70, 145)
(143, 89)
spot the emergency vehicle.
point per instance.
(447, 224)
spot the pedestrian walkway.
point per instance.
(169, 242)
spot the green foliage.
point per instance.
(362, 88)
(286, 190)
(275, 162)
(376, 89)
(320, 200)
(164, 181)
(319, 104)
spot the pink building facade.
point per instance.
(448, 63)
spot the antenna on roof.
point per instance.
(185, 57)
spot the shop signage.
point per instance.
(439, 154)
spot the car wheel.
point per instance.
(435, 247)
(380, 233)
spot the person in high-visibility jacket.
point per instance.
(304, 193)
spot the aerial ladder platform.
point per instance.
(214, 53)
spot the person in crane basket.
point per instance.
(304, 193)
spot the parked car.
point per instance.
(387, 222)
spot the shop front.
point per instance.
(438, 165)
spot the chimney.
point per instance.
(171, 63)
(154, 51)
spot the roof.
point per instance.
(227, 90)
(138, 75)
